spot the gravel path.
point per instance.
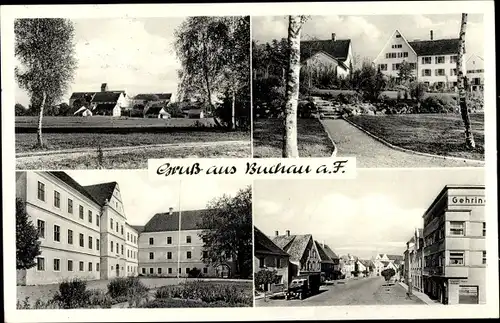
(352, 142)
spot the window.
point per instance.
(453, 71)
(40, 264)
(180, 270)
(405, 54)
(41, 191)
(41, 228)
(128, 235)
(122, 249)
(151, 241)
(90, 266)
(439, 59)
(57, 199)
(188, 255)
(457, 258)
(453, 59)
(90, 242)
(128, 253)
(426, 60)
(112, 246)
(484, 229)
(159, 271)
(90, 216)
(117, 248)
(116, 226)
(205, 270)
(70, 236)
(426, 72)
(97, 267)
(188, 239)
(111, 223)
(144, 270)
(57, 264)
(97, 244)
(398, 36)
(81, 212)
(484, 257)
(205, 254)
(169, 255)
(457, 228)
(81, 266)
(413, 66)
(97, 220)
(82, 243)
(169, 240)
(57, 233)
(397, 46)
(382, 67)
(169, 270)
(122, 230)
(395, 67)
(151, 255)
(70, 206)
(187, 270)
(151, 271)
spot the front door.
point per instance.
(117, 270)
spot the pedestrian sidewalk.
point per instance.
(261, 296)
(422, 296)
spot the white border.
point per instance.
(261, 9)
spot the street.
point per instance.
(361, 291)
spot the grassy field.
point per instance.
(439, 134)
(25, 142)
(390, 94)
(313, 141)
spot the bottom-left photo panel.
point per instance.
(117, 239)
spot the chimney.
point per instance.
(276, 233)
(104, 87)
(334, 35)
(287, 233)
(170, 210)
(432, 35)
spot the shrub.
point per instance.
(475, 101)
(438, 104)
(72, 294)
(349, 98)
(125, 286)
(194, 273)
(98, 298)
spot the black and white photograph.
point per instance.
(390, 90)
(372, 241)
(88, 239)
(111, 93)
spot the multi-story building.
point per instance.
(414, 260)
(454, 246)
(434, 62)
(475, 73)
(72, 222)
(166, 250)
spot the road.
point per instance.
(361, 291)
(352, 142)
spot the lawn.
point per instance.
(25, 142)
(439, 134)
(313, 141)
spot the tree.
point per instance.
(290, 148)
(369, 81)
(64, 109)
(405, 73)
(230, 236)
(417, 92)
(462, 94)
(388, 273)
(46, 51)
(20, 110)
(265, 277)
(27, 244)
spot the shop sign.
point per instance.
(466, 200)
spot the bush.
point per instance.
(194, 273)
(388, 273)
(125, 286)
(180, 303)
(349, 98)
(72, 294)
(98, 298)
(475, 101)
(438, 104)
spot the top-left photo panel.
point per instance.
(113, 93)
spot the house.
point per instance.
(156, 111)
(347, 265)
(434, 62)
(361, 268)
(83, 111)
(82, 229)
(330, 53)
(151, 98)
(414, 260)
(327, 263)
(194, 113)
(455, 246)
(304, 255)
(268, 256)
(475, 73)
(165, 249)
(336, 260)
(105, 102)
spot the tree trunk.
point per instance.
(40, 117)
(290, 148)
(233, 111)
(469, 138)
(207, 78)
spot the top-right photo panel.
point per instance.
(390, 90)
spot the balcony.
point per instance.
(435, 247)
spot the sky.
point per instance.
(369, 34)
(143, 198)
(135, 55)
(376, 213)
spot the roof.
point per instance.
(164, 96)
(138, 228)
(338, 49)
(147, 96)
(330, 252)
(445, 190)
(265, 245)
(366, 263)
(78, 95)
(435, 47)
(155, 109)
(385, 263)
(294, 245)
(395, 257)
(108, 96)
(322, 254)
(101, 192)
(105, 106)
(71, 182)
(161, 222)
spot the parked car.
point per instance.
(303, 286)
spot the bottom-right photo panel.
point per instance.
(388, 237)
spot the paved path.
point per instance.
(362, 291)
(352, 142)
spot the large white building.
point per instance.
(434, 62)
(81, 229)
(475, 73)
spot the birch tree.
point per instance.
(290, 148)
(462, 93)
(46, 52)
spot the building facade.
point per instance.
(414, 260)
(475, 73)
(433, 62)
(455, 247)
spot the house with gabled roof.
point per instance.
(331, 53)
(104, 102)
(304, 254)
(327, 263)
(268, 256)
(475, 72)
(434, 61)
